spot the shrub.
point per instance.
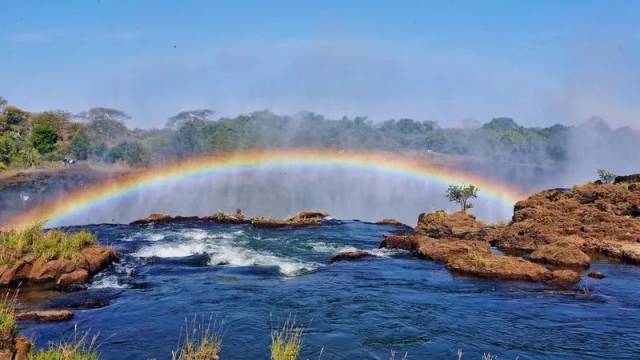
(44, 138)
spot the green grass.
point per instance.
(286, 342)
(7, 315)
(200, 344)
(80, 348)
(52, 244)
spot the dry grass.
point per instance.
(200, 343)
(51, 244)
(79, 348)
(7, 315)
(286, 343)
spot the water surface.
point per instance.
(252, 280)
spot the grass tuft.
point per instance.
(79, 348)
(201, 343)
(7, 315)
(286, 342)
(52, 244)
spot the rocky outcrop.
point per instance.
(307, 216)
(556, 225)
(46, 315)
(389, 221)
(351, 255)
(164, 219)
(62, 272)
(303, 218)
(439, 224)
(556, 230)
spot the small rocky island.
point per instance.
(301, 219)
(552, 238)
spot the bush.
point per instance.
(44, 138)
(15, 116)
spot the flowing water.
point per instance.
(246, 282)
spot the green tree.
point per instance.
(462, 194)
(605, 176)
(180, 118)
(15, 116)
(43, 138)
(56, 120)
(80, 146)
(8, 148)
(130, 152)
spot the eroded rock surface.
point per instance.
(64, 272)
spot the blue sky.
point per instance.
(459, 63)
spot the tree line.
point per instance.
(101, 134)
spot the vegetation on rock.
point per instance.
(51, 244)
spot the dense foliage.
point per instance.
(101, 134)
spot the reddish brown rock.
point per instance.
(561, 254)
(403, 242)
(439, 224)
(23, 348)
(46, 315)
(596, 275)
(497, 266)
(389, 221)
(602, 216)
(351, 255)
(95, 258)
(443, 249)
(163, 218)
(562, 278)
(44, 269)
(307, 215)
(76, 277)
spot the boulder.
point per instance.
(307, 215)
(45, 270)
(562, 278)
(23, 348)
(46, 315)
(596, 275)
(402, 242)
(440, 224)
(95, 258)
(76, 277)
(389, 221)
(351, 255)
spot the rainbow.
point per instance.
(412, 166)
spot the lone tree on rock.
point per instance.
(461, 194)
(605, 176)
